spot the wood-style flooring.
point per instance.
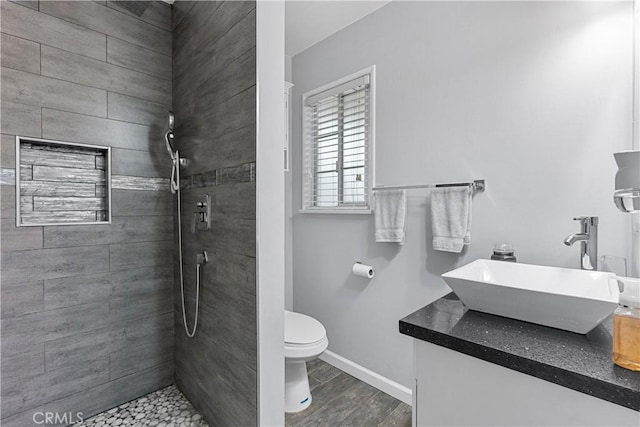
(342, 400)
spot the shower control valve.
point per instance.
(202, 258)
(202, 213)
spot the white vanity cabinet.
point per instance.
(455, 389)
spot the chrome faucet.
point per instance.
(588, 238)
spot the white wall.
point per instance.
(534, 97)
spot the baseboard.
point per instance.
(384, 384)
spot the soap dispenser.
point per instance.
(503, 252)
(626, 325)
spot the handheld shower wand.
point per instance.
(175, 156)
(168, 134)
(201, 258)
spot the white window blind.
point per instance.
(337, 147)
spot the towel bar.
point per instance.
(476, 185)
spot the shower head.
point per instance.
(168, 134)
(171, 121)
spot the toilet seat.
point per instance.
(300, 329)
(304, 337)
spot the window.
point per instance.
(338, 146)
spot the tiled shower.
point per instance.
(91, 314)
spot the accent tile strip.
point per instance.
(123, 182)
(231, 175)
(7, 176)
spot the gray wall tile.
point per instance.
(26, 204)
(19, 238)
(57, 188)
(8, 151)
(42, 91)
(68, 204)
(122, 229)
(227, 381)
(235, 201)
(231, 149)
(236, 77)
(20, 119)
(38, 27)
(132, 202)
(58, 299)
(141, 280)
(237, 271)
(214, 87)
(213, 53)
(200, 40)
(23, 419)
(113, 393)
(21, 333)
(57, 157)
(20, 54)
(57, 217)
(78, 349)
(232, 115)
(39, 264)
(70, 291)
(235, 235)
(138, 305)
(235, 113)
(73, 320)
(157, 13)
(111, 22)
(26, 172)
(20, 298)
(71, 127)
(126, 256)
(23, 393)
(125, 333)
(140, 163)
(179, 10)
(138, 58)
(139, 356)
(136, 110)
(32, 4)
(234, 326)
(7, 201)
(24, 365)
(87, 71)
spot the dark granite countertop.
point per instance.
(579, 362)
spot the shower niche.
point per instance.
(62, 183)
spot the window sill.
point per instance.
(337, 211)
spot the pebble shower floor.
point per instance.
(163, 408)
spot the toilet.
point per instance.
(304, 340)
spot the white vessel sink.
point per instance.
(563, 298)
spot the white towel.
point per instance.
(390, 212)
(451, 218)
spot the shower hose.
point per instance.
(175, 188)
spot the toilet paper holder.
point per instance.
(363, 270)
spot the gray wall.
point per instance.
(534, 97)
(214, 90)
(87, 320)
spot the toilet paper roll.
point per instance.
(363, 270)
